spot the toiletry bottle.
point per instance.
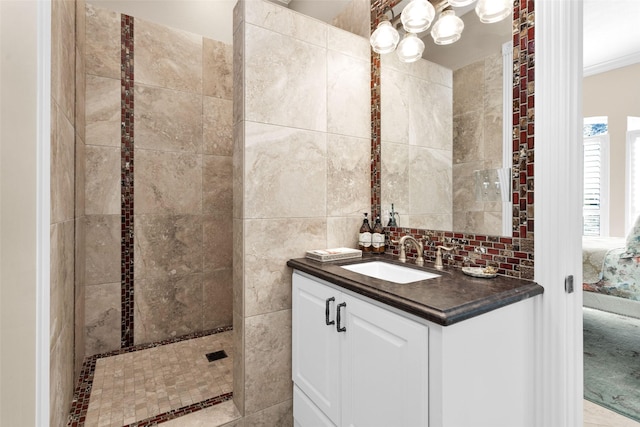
(392, 218)
(364, 239)
(377, 238)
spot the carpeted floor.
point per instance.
(612, 361)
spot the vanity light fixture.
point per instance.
(448, 28)
(418, 15)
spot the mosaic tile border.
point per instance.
(126, 181)
(82, 393)
(512, 255)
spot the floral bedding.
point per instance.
(620, 272)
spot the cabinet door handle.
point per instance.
(326, 311)
(338, 328)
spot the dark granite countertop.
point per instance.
(445, 300)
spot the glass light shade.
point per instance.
(460, 3)
(417, 16)
(385, 38)
(490, 11)
(410, 48)
(447, 29)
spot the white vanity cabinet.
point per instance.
(355, 364)
(388, 368)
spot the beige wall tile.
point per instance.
(468, 141)
(468, 88)
(348, 175)
(80, 294)
(280, 415)
(217, 72)
(61, 378)
(167, 120)
(342, 232)
(167, 246)
(62, 280)
(238, 72)
(422, 69)
(62, 166)
(395, 109)
(283, 71)
(80, 170)
(217, 291)
(217, 242)
(102, 177)
(279, 19)
(285, 172)
(238, 170)
(168, 182)
(430, 192)
(103, 312)
(81, 62)
(349, 44)
(267, 360)
(238, 267)
(103, 111)
(167, 57)
(103, 42)
(103, 249)
(355, 18)
(217, 185)
(63, 53)
(217, 122)
(395, 179)
(348, 95)
(167, 307)
(238, 359)
(269, 244)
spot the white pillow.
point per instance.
(633, 241)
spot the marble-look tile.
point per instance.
(103, 312)
(62, 166)
(61, 279)
(221, 414)
(103, 249)
(217, 185)
(395, 107)
(468, 88)
(103, 42)
(268, 246)
(61, 378)
(238, 268)
(422, 69)
(80, 170)
(167, 246)
(286, 22)
(267, 360)
(81, 62)
(238, 170)
(80, 294)
(468, 141)
(493, 80)
(217, 72)
(429, 221)
(464, 187)
(280, 415)
(492, 133)
(282, 71)
(167, 307)
(217, 242)
(63, 53)
(285, 172)
(217, 299)
(168, 120)
(355, 18)
(350, 44)
(102, 178)
(430, 189)
(217, 123)
(395, 177)
(348, 95)
(430, 119)
(491, 224)
(167, 57)
(348, 175)
(168, 182)
(238, 72)
(342, 232)
(238, 15)
(103, 111)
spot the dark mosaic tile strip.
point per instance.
(126, 187)
(185, 410)
(512, 255)
(82, 393)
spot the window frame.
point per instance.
(605, 148)
(633, 143)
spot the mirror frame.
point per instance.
(512, 255)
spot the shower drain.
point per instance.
(216, 355)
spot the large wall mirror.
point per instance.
(452, 144)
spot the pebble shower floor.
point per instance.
(147, 385)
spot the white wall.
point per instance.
(18, 175)
(611, 94)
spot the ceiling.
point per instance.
(611, 27)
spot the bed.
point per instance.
(611, 272)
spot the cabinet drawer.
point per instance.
(305, 413)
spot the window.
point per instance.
(633, 171)
(595, 208)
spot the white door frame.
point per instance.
(558, 181)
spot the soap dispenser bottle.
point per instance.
(364, 239)
(377, 238)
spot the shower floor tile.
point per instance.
(132, 387)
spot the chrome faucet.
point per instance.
(419, 246)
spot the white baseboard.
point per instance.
(612, 304)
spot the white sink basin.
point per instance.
(390, 272)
